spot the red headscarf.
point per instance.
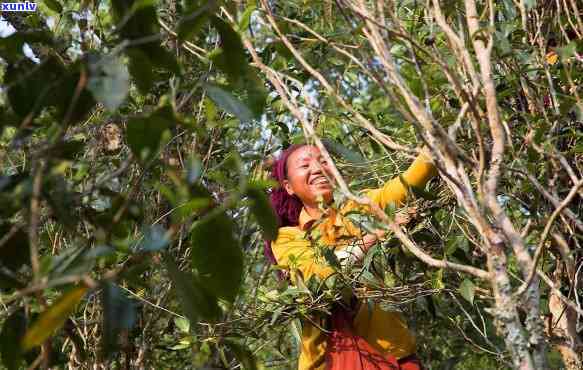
(287, 207)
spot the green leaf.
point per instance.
(567, 51)
(256, 93)
(502, 43)
(182, 324)
(135, 19)
(467, 290)
(68, 150)
(296, 330)
(53, 318)
(109, 81)
(182, 345)
(8, 118)
(228, 102)
(59, 196)
(246, 17)
(161, 58)
(31, 85)
(529, 4)
(194, 18)
(509, 9)
(431, 307)
(144, 134)
(139, 20)
(141, 69)
(231, 59)
(119, 312)
(243, 354)
(391, 209)
(194, 169)
(379, 105)
(71, 104)
(263, 212)
(282, 49)
(437, 280)
(417, 191)
(191, 24)
(331, 258)
(196, 301)
(54, 5)
(216, 256)
(340, 150)
(457, 242)
(210, 110)
(15, 252)
(155, 238)
(12, 332)
(8, 281)
(140, 4)
(299, 283)
(420, 192)
(73, 261)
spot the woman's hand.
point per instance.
(370, 239)
(358, 250)
(401, 218)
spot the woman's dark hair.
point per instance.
(287, 207)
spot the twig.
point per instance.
(34, 219)
(151, 303)
(187, 45)
(544, 235)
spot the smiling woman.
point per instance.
(362, 338)
(307, 177)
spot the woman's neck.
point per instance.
(313, 210)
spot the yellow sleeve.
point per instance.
(292, 251)
(394, 191)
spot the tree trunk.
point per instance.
(562, 327)
(506, 313)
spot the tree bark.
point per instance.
(562, 326)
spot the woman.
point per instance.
(303, 176)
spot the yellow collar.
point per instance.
(305, 220)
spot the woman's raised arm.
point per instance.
(394, 191)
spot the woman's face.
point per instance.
(306, 175)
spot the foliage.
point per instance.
(134, 151)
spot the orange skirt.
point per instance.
(347, 350)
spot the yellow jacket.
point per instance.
(386, 331)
